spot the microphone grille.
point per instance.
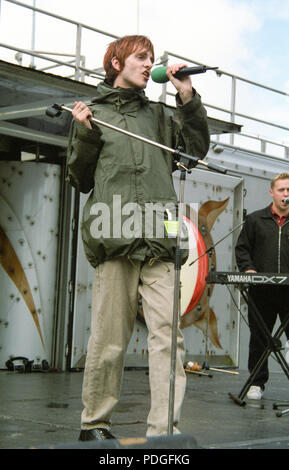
(159, 75)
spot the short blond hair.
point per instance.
(281, 176)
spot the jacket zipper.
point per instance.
(279, 250)
(279, 246)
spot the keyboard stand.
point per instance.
(274, 345)
(281, 413)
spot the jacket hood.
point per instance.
(126, 99)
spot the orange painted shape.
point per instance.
(203, 265)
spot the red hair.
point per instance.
(121, 49)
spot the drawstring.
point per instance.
(132, 263)
(139, 272)
(150, 262)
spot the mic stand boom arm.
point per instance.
(212, 247)
(55, 111)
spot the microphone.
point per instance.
(159, 75)
(286, 200)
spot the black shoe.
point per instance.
(96, 434)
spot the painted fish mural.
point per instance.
(195, 295)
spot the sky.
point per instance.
(247, 38)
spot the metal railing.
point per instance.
(232, 111)
(76, 63)
(80, 72)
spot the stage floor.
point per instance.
(43, 409)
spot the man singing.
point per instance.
(109, 164)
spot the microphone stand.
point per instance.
(56, 109)
(182, 162)
(215, 244)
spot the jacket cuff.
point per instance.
(190, 107)
(243, 268)
(87, 135)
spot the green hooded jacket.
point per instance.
(126, 178)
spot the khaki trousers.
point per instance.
(114, 307)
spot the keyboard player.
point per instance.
(263, 246)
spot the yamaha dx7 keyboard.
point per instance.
(219, 277)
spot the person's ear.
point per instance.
(115, 63)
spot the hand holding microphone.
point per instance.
(182, 83)
(177, 75)
(159, 74)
